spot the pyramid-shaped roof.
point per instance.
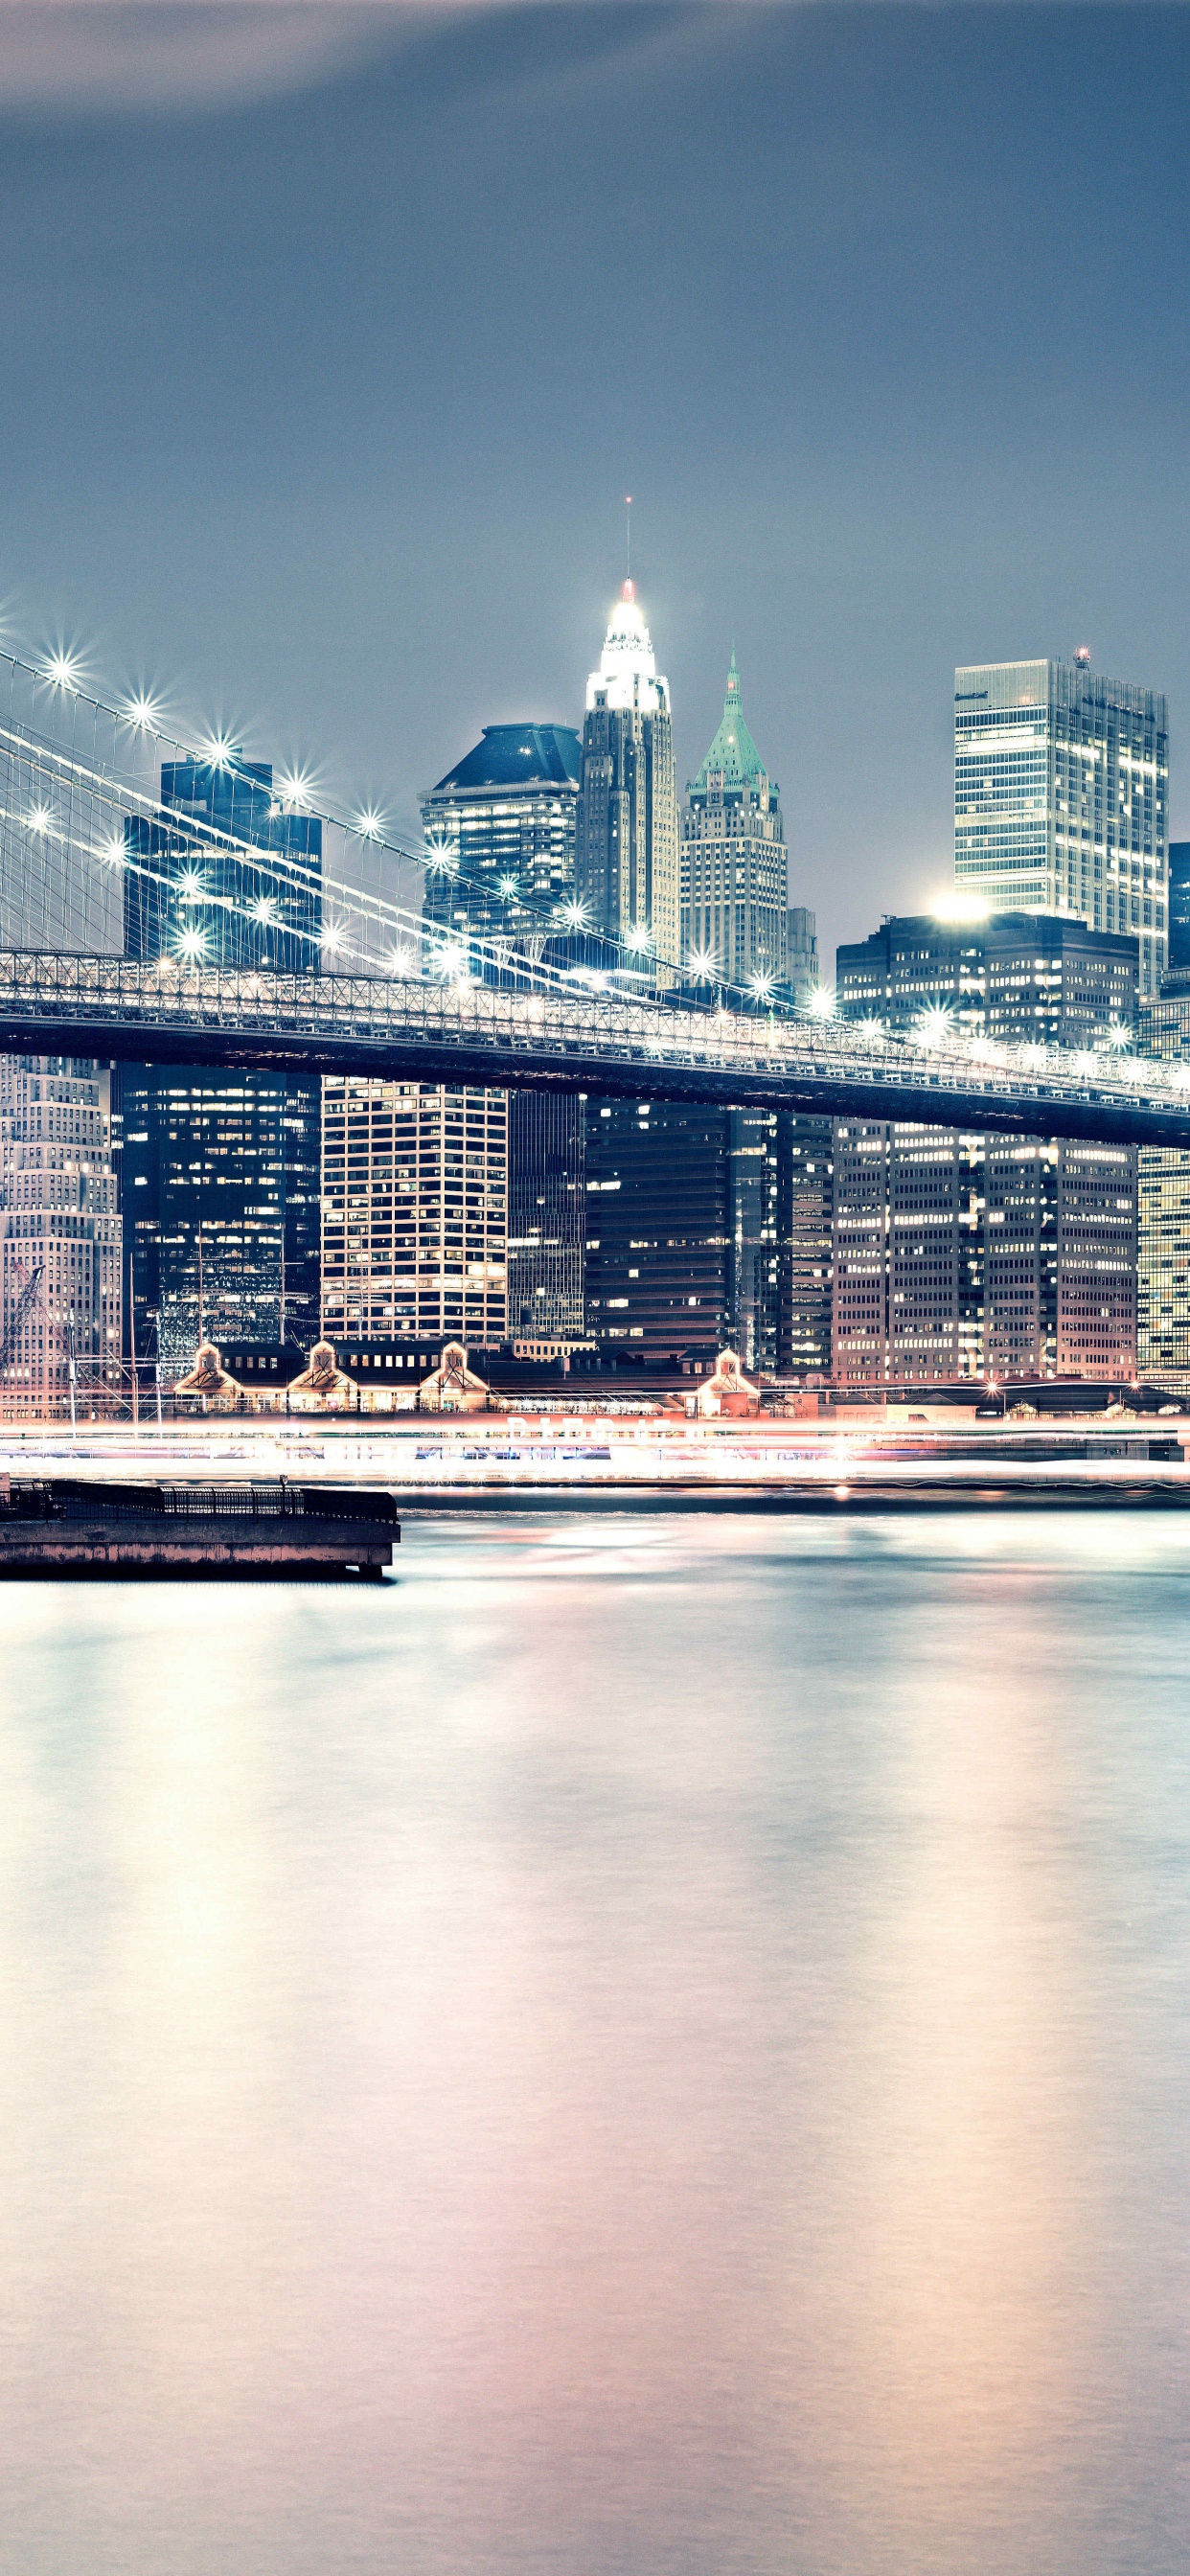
(733, 750)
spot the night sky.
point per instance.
(331, 341)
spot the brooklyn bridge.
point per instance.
(285, 936)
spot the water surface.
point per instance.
(650, 2044)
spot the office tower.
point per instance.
(60, 1254)
(627, 866)
(961, 1255)
(220, 1172)
(500, 828)
(1061, 799)
(546, 1214)
(735, 866)
(220, 1194)
(805, 1163)
(193, 887)
(682, 1253)
(1179, 907)
(414, 1218)
(1163, 1255)
(801, 953)
(500, 834)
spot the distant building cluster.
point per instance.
(156, 1211)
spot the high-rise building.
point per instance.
(735, 866)
(1061, 799)
(682, 1218)
(627, 865)
(220, 1172)
(546, 1214)
(1179, 907)
(500, 834)
(414, 1215)
(965, 1255)
(1163, 1258)
(801, 953)
(500, 830)
(60, 1256)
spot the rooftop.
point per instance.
(733, 750)
(518, 755)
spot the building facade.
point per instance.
(1179, 907)
(414, 1212)
(802, 974)
(220, 1172)
(61, 1266)
(683, 1251)
(735, 866)
(546, 1214)
(965, 1255)
(627, 856)
(1163, 1261)
(1061, 799)
(499, 832)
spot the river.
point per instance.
(649, 2046)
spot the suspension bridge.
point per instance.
(164, 902)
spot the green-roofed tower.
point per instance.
(735, 867)
(733, 751)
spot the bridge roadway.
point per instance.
(410, 1029)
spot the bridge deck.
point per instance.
(409, 1029)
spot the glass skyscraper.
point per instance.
(219, 1172)
(967, 1255)
(1061, 799)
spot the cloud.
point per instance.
(99, 56)
(88, 55)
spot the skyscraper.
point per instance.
(960, 1255)
(219, 1172)
(627, 865)
(414, 1220)
(1061, 799)
(500, 834)
(500, 828)
(735, 866)
(681, 1230)
(1179, 907)
(60, 1255)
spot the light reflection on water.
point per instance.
(652, 2044)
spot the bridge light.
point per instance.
(761, 986)
(190, 887)
(1034, 1056)
(192, 945)
(1119, 1036)
(331, 937)
(294, 788)
(63, 670)
(822, 1003)
(576, 916)
(702, 964)
(264, 910)
(639, 939)
(143, 712)
(1086, 1061)
(936, 1025)
(401, 962)
(508, 885)
(452, 961)
(370, 824)
(873, 1031)
(40, 818)
(442, 855)
(218, 751)
(112, 850)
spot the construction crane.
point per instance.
(17, 1317)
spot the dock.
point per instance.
(81, 1525)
